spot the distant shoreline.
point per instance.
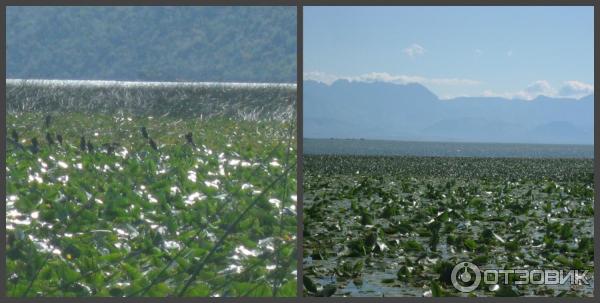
(449, 142)
(408, 157)
(101, 83)
(390, 148)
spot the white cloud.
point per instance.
(509, 95)
(321, 77)
(489, 93)
(569, 89)
(576, 89)
(414, 50)
(389, 78)
(538, 88)
(531, 92)
(509, 53)
(385, 77)
(453, 96)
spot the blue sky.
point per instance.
(514, 52)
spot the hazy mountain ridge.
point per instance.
(411, 112)
(152, 43)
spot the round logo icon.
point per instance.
(464, 272)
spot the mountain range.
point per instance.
(388, 111)
(152, 43)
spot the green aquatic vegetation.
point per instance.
(125, 218)
(348, 269)
(428, 214)
(325, 291)
(403, 274)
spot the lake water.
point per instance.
(444, 149)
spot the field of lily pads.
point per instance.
(190, 205)
(396, 226)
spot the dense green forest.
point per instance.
(245, 44)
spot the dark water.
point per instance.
(444, 149)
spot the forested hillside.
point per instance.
(243, 44)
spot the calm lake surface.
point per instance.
(444, 149)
